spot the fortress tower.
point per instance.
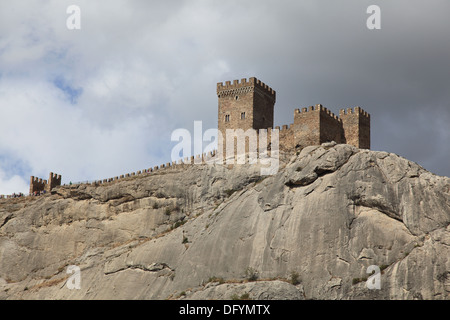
(245, 105)
(250, 105)
(38, 185)
(356, 126)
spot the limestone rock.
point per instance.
(327, 214)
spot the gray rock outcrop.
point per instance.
(308, 232)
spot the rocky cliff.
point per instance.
(221, 232)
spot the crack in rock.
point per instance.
(154, 267)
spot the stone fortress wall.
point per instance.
(249, 104)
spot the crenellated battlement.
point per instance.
(316, 108)
(181, 163)
(317, 124)
(342, 112)
(238, 110)
(38, 185)
(243, 86)
(284, 127)
(54, 180)
(355, 111)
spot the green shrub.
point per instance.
(251, 274)
(383, 266)
(358, 280)
(178, 224)
(245, 296)
(294, 278)
(229, 192)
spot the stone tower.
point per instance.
(38, 185)
(356, 126)
(245, 105)
(249, 104)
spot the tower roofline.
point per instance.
(242, 86)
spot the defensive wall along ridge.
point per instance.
(249, 104)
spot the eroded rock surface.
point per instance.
(327, 215)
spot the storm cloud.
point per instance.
(103, 100)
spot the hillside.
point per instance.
(217, 232)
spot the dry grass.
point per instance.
(49, 283)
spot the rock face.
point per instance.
(219, 232)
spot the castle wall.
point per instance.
(286, 137)
(330, 126)
(54, 180)
(306, 127)
(356, 127)
(263, 105)
(312, 126)
(37, 184)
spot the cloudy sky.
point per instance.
(103, 100)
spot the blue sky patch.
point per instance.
(70, 92)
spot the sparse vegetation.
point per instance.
(260, 179)
(168, 211)
(185, 240)
(229, 192)
(178, 224)
(358, 280)
(383, 266)
(155, 205)
(50, 283)
(299, 169)
(251, 274)
(294, 278)
(245, 296)
(216, 279)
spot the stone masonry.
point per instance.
(39, 185)
(249, 104)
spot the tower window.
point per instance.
(242, 115)
(227, 118)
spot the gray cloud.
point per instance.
(103, 100)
